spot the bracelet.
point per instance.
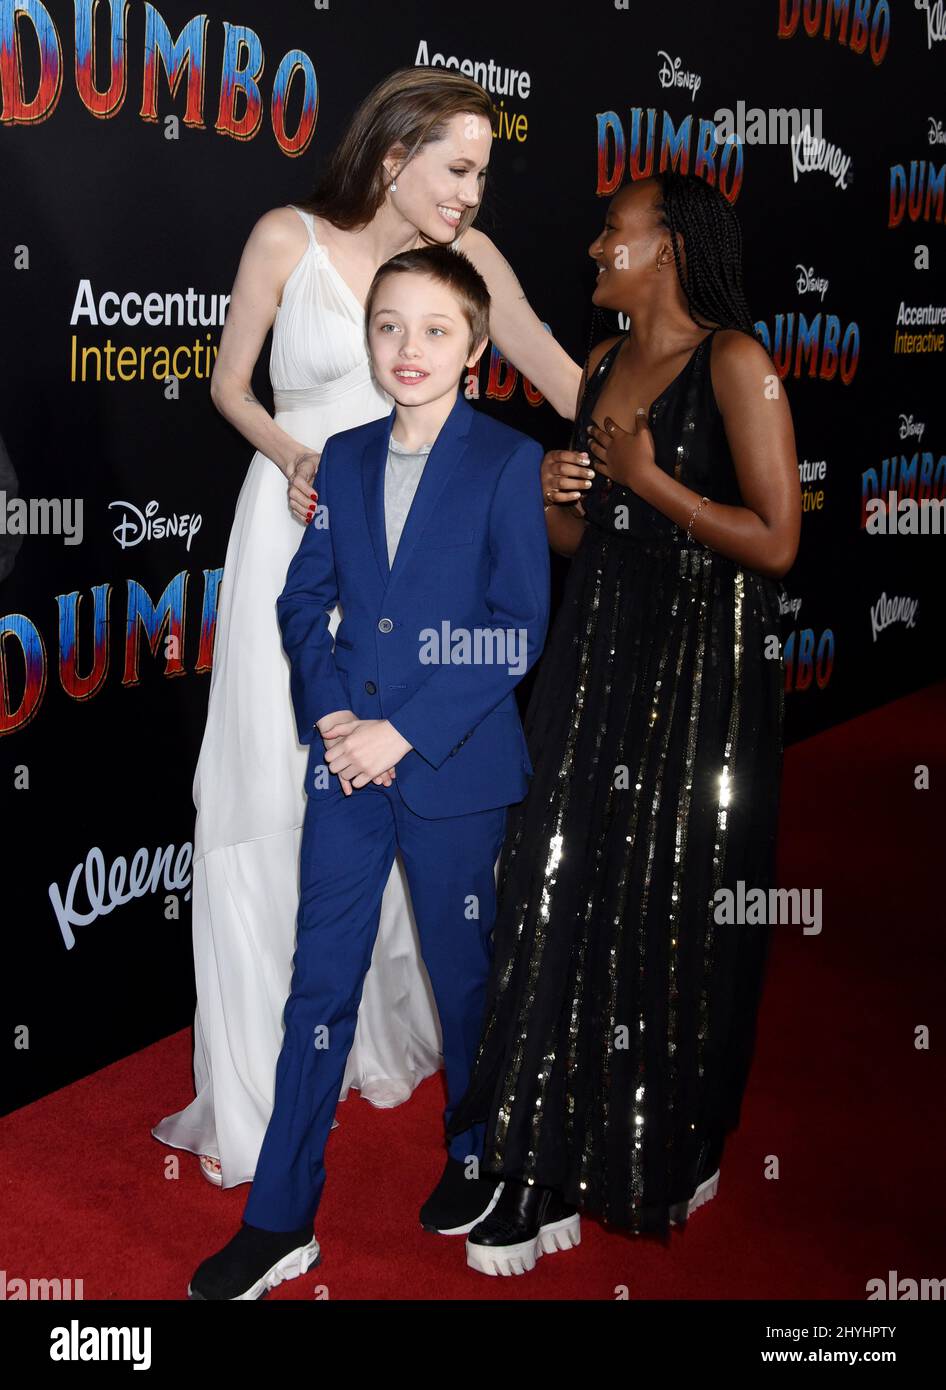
(703, 502)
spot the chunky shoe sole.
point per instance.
(289, 1267)
(468, 1225)
(519, 1259)
(704, 1193)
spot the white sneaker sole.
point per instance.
(558, 1235)
(704, 1193)
(289, 1267)
(519, 1259)
(465, 1229)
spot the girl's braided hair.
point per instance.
(712, 281)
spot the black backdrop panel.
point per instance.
(112, 186)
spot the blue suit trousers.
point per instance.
(348, 846)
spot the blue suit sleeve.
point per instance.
(454, 698)
(310, 592)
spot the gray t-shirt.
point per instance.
(401, 476)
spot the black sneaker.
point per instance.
(253, 1262)
(526, 1223)
(458, 1202)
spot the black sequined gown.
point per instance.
(620, 1015)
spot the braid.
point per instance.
(713, 280)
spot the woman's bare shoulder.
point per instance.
(279, 230)
(274, 247)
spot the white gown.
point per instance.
(248, 786)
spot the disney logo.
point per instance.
(137, 526)
(937, 135)
(910, 430)
(671, 74)
(807, 281)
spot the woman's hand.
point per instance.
(565, 476)
(625, 456)
(302, 496)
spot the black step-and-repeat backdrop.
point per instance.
(140, 142)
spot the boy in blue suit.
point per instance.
(430, 534)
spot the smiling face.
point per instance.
(419, 338)
(629, 247)
(443, 179)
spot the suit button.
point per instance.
(385, 625)
(370, 687)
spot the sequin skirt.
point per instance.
(620, 1016)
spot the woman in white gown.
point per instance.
(404, 188)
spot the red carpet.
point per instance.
(839, 1094)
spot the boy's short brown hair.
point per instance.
(450, 268)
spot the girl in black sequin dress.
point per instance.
(621, 1015)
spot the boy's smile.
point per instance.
(409, 376)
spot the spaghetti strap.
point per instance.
(308, 221)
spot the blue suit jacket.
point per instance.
(473, 558)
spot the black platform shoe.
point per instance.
(707, 1180)
(458, 1201)
(526, 1223)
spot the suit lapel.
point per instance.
(449, 447)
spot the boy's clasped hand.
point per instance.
(360, 751)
